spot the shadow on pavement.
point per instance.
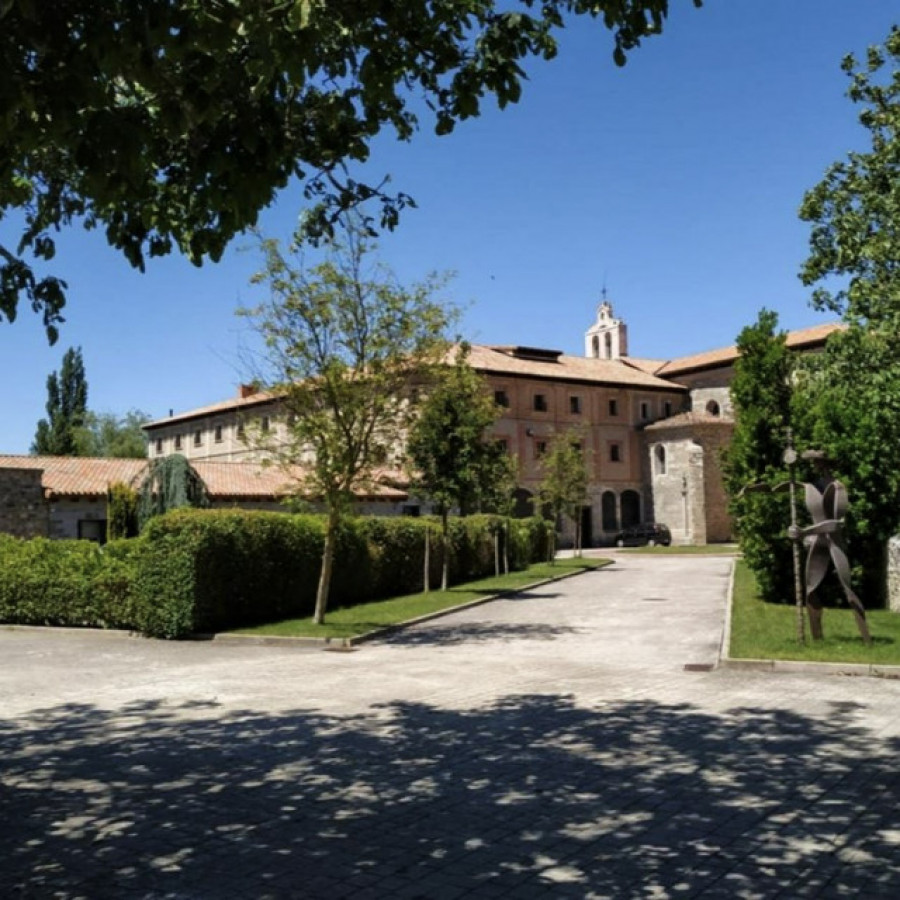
(532, 796)
(438, 633)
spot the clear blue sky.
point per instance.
(675, 180)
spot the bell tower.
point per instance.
(607, 338)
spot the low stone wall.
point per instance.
(23, 511)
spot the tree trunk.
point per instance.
(497, 552)
(426, 580)
(445, 546)
(506, 547)
(327, 566)
(577, 551)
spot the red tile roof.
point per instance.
(804, 339)
(67, 476)
(689, 418)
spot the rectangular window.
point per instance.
(540, 448)
(575, 406)
(218, 434)
(177, 441)
(645, 409)
(411, 510)
(540, 403)
(613, 407)
(264, 424)
(503, 444)
(615, 453)
(501, 398)
(159, 446)
(241, 431)
(198, 438)
(667, 408)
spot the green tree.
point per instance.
(67, 390)
(172, 123)
(344, 342)
(121, 511)
(171, 482)
(854, 403)
(111, 435)
(451, 457)
(761, 394)
(563, 488)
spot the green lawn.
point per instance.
(768, 631)
(356, 620)
(702, 550)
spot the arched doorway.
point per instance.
(524, 504)
(631, 508)
(608, 511)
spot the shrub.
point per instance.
(75, 583)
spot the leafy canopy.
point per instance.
(172, 123)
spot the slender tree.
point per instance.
(761, 395)
(563, 489)
(450, 455)
(67, 391)
(344, 343)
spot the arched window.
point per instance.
(713, 408)
(608, 510)
(595, 346)
(608, 340)
(660, 453)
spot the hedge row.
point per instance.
(199, 571)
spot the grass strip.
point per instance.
(351, 621)
(761, 630)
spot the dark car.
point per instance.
(650, 533)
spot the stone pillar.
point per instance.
(893, 573)
(24, 512)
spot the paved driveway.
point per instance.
(551, 745)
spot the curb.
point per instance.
(792, 666)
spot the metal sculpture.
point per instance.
(827, 503)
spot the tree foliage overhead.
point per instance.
(344, 342)
(57, 435)
(172, 123)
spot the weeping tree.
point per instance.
(171, 482)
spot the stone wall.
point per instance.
(23, 510)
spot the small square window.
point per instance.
(503, 444)
(575, 406)
(198, 438)
(613, 407)
(540, 448)
(501, 398)
(615, 453)
(540, 403)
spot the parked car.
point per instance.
(649, 534)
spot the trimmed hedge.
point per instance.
(195, 571)
(77, 583)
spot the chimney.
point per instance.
(247, 390)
